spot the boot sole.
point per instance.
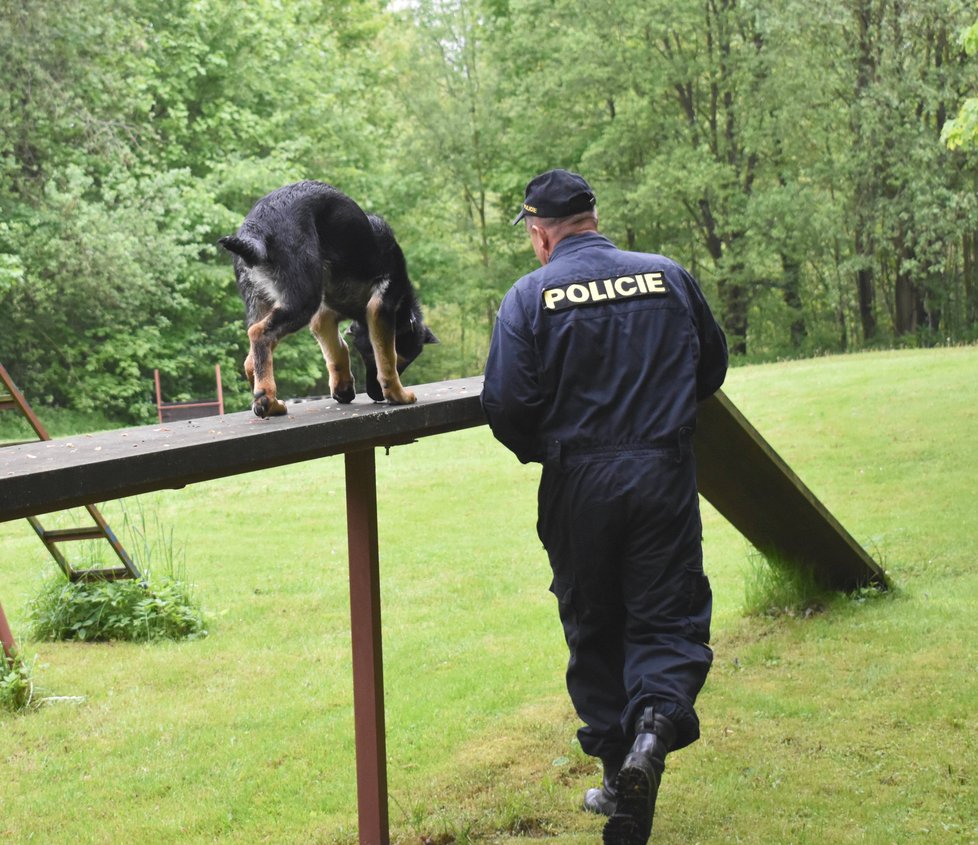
(631, 823)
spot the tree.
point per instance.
(962, 130)
(139, 133)
(909, 202)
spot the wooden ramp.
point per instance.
(756, 491)
(739, 473)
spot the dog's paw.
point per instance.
(266, 406)
(342, 386)
(344, 394)
(402, 397)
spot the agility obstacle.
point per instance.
(174, 411)
(738, 471)
(52, 538)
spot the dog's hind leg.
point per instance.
(382, 340)
(325, 328)
(257, 309)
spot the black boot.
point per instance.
(602, 799)
(637, 784)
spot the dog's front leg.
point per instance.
(326, 329)
(382, 341)
(259, 360)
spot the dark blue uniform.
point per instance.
(596, 365)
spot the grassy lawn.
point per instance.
(856, 725)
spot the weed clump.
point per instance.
(130, 610)
(16, 682)
(163, 608)
(775, 587)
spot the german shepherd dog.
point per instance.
(307, 255)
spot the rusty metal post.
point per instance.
(6, 637)
(159, 396)
(220, 390)
(22, 404)
(368, 663)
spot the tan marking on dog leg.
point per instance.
(382, 340)
(325, 328)
(249, 367)
(265, 403)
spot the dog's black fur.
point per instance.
(307, 255)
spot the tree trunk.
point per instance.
(733, 298)
(905, 313)
(970, 251)
(865, 290)
(867, 185)
(792, 298)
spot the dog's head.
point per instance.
(410, 338)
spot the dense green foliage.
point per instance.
(789, 153)
(162, 605)
(116, 610)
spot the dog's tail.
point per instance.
(251, 250)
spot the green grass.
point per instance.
(58, 422)
(853, 725)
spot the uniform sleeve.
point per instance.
(712, 367)
(511, 396)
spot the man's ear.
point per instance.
(540, 238)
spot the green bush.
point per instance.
(116, 610)
(159, 608)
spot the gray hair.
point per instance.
(583, 221)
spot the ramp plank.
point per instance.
(756, 491)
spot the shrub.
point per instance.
(115, 610)
(138, 611)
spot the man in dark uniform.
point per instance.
(597, 362)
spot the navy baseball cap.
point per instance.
(556, 193)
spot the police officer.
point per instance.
(596, 365)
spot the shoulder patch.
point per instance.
(599, 291)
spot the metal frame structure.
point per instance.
(173, 411)
(14, 400)
(738, 472)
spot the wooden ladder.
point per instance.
(11, 399)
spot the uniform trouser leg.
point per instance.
(668, 605)
(589, 600)
(624, 539)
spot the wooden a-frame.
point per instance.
(13, 400)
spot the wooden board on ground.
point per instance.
(755, 490)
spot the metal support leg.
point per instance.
(368, 665)
(6, 637)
